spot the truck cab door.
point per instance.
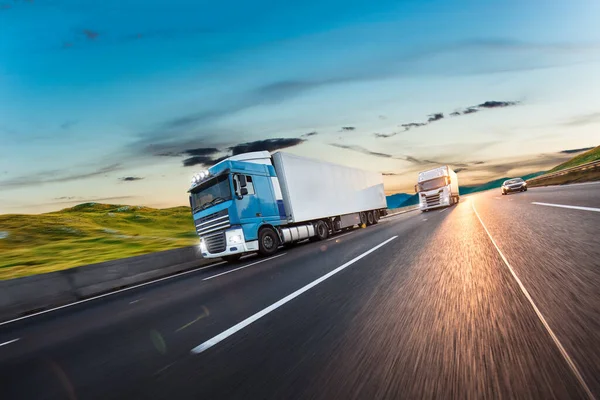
(248, 205)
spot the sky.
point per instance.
(123, 101)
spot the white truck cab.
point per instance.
(436, 188)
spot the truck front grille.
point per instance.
(433, 200)
(215, 243)
(212, 223)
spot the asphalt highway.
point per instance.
(497, 297)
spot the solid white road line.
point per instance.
(566, 206)
(245, 266)
(9, 342)
(111, 293)
(558, 344)
(241, 325)
(339, 236)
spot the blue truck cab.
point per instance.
(230, 203)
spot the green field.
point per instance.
(588, 156)
(88, 233)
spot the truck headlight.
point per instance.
(235, 239)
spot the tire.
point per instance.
(363, 220)
(232, 258)
(268, 241)
(370, 218)
(321, 230)
(376, 216)
(503, 193)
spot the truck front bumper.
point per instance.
(441, 204)
(235, 243)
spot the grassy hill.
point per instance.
(88, 233)
(588, 156)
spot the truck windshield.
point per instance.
(213, 191)
(433, 183)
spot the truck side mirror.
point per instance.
(244, 191)
(416, 188)
(243, 182)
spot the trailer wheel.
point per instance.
(232, 258)
(370, 218)
(268, 241)
(321, 230)
(376, 216)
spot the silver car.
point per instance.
(514, 185)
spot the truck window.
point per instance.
(249, 185)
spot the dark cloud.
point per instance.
(382, 117)
(457, 170)
(576, 150)
(478, 162)
(497, 104)
(201, 151)
(202, 160)
(385, 135)
(265, 145)
(411, 125)
(309, 134)
(56, 177)
(348, 128)
(90, 34)
(389, 174)
(131, 178)
(435, 117)
(438, 116)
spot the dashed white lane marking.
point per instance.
(567, 206)
(557, 342)
(339, 236)
(9, 342)
(111, 293)
(245, 266)
(241, 325)
(443, 210)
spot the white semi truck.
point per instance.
(257, 201)
(436, 188)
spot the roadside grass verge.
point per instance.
(86, 234)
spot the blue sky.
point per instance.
(92, 94)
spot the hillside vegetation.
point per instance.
(588, 156)
(88, 233)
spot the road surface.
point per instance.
(497, 297)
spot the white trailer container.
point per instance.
(437, 187)
(315, 189)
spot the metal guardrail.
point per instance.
(582, 167)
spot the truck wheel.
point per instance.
(321, 230)
(376, 216)
(232, 258)
(268, 241)
(363, 220)
(370, 218)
